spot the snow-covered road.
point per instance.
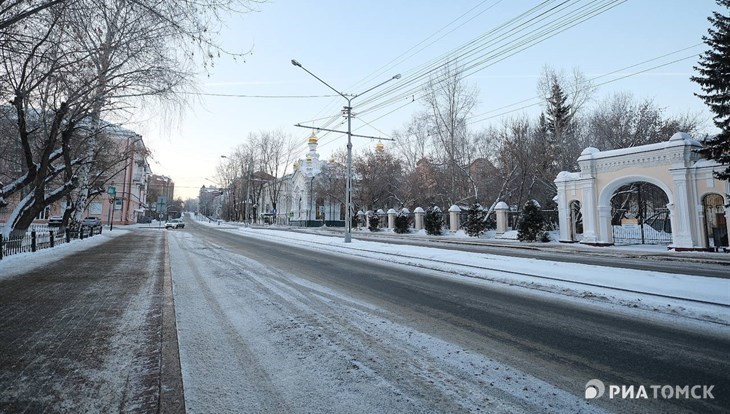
(258, 336)
(258, 339)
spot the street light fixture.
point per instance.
(348, 113)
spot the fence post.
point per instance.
(33, 244)
(81, 233)
(454, 211)
(500, 211)
(381, 218)
(2, 243)
(391, 218)
(68, 235)
(419, 212)
(53, 240)
(360, 218)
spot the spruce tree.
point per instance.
(402, 222)
(475, 221)
(714, 79)
(374, 222)
(433, 221)
(559, 127)
(531, 223)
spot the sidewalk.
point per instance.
(92, 332)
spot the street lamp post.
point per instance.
(348, 112)
(112, 192)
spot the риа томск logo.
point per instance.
(596, 389)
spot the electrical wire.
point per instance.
(480, 54)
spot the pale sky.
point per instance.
(354, 45)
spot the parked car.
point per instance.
(175, 224)
(91, 222)
(144, 219)
(55, 221)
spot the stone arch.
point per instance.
(607, 192)
(673, 166)
(604, 199)
(714, 221)
(575, 223)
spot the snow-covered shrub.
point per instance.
(433, 221)
(475, 223)
(531, 223)
(402, 222)
(374, 223)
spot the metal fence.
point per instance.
(40, 237)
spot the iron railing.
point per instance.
(40, 237)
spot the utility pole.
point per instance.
(348, 112)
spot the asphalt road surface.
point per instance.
(293, 327)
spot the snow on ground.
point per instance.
(24, 262)
(254, 338)
(655, 291)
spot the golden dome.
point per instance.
(312, 139)
(296, 165)
(379, 147)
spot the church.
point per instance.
(310, 196)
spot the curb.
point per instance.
(172, 395)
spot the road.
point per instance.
(264, 327)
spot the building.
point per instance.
(127, 173)
(130, 182)
(304, 197)
(160, 194)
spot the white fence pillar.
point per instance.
(360, 218)
(500, 210)
(419, 213)
(391, 218)
(454, 218)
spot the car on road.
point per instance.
(91, 222)
(175, 224)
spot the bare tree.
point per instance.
(71, 62)
(15, 11)
(276, 151)
(413, 143)
(450, 101)
(620, 121)
(380, 177)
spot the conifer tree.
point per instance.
(433, 221)
(531, 224)
(560, 128)
(374, 222)
(475, 221)
(402, 222)
(713, 78)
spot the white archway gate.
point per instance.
(673, 166)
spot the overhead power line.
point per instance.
(235, 95)
(481, 117)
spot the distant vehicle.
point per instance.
(145, 219)
(55, 221)
(175, 224)
(91, 222)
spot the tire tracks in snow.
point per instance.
(415, 370)
(255, 388)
